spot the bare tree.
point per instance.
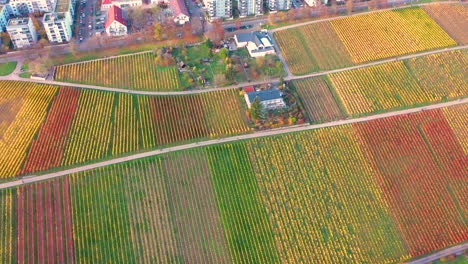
(35, 22)
(372, 5)
(216, 34)
(283, 16)
(42, 64)
(304, 12)
(349, 6)
(158, 31)
(238, 23)
(136, 16)
(6, 41)
(271, 18)
(292, 14)
(72, 44)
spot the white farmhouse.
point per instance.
(115, 24)
(181, 14)
(258, 43)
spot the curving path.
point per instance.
(289, 77)
(34, 178)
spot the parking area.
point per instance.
(89, 20)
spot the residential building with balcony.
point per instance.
(5, 12)
(22, 32)
(250, 7)
(25, 7)
(277, 5)
(58, 24)
(218, 9)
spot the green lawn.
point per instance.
(7, 68)
(25, 71)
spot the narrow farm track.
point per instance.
(34, 178)
(289, 77)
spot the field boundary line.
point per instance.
(32, 178)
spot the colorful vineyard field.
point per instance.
(393, 85)
(319, 100)
(382, 191)
(442, 75)
(44, 224)
(136, 72)
(410, 30)
(49, 130)
(342, 42)
(8, 216)
(377, 88)
(311, 48)
(452, 18)
(24, 107)
(419, 164)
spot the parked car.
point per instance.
(230, 29)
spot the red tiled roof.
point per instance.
(115, 14)
(179, 7)
(107, 2)
(248, 89)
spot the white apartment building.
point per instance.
(22, 32)
(313, 3)
(5, 12)
(58, 24)
(58, 27)
(106, 4)
(250, 7)
(218, 8)
(25, 7)
(277, 5)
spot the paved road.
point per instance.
(288, 78)
(33, 178)
(458, 250)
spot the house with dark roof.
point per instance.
(258, 43)
(115, 24)
(270, 99)
(179, 9)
